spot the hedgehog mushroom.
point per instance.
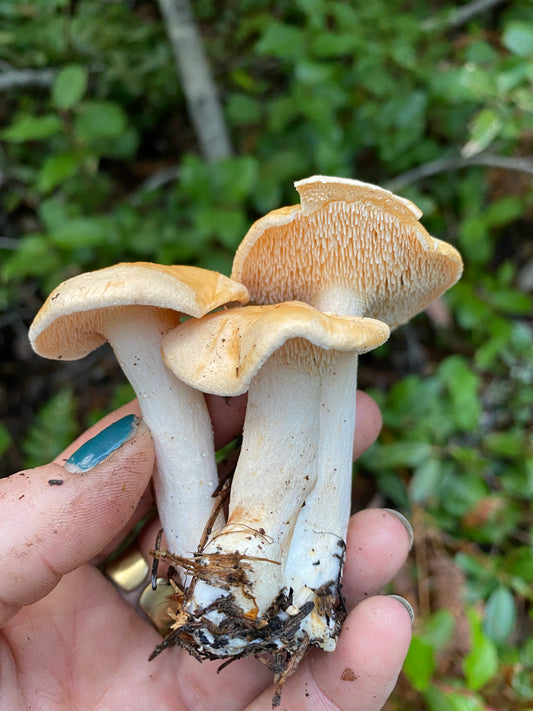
(350, 249)
(132, 306)
(280, 354)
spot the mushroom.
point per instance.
(132, 306)
(349, 248)
(354, 250)
(280, 354)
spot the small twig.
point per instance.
(9, 243)
(197, 81)
(459, 15)
(446, 164)
(11, 78)
(154, 182)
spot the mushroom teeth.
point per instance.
(352, 236)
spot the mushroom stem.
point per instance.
(177, 416)
(275, 473)
(290, 503)
(316, 554)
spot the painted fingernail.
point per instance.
(102, 445)
(407, 606)
(405, 523)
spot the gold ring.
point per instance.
(130, 574)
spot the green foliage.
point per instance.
(365, 90)
(5, 439)
(54, 428)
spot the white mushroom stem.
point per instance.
(275, 473)
(317, 547)
(290, 495)
(178, 420)
(317, 550)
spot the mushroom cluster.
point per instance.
(326, 280)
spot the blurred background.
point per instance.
(117, 144)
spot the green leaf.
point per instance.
(519, 564)
(465, 702)
(55, 170)
(500, 615)
(481, 664)
(32, 128)
(242, 110)
(5, 439)
(463, 385)
(420, 663)
(33, 257)
(69, 87)
(335, 44)
(400, 454)
(425, 481)
(84, 232)
(518, 38)
(475, 239)
(510, 301)
(234, 178)
(484, 128)
(506, 444)
(100, 120)
(282, 41)
(439, 629)
(436, 699)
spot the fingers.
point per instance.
(377, 546)
(368, 423)
(227, 416)
(361, 673)
(54, 518)
(364, 668)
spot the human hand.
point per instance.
(70, 641)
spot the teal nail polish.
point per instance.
(102, 445)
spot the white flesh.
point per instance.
(320, 532)
(317, 548)
(179, 422)
(275, 473)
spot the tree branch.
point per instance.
(11, 78)
(196, 78)
(459, 15)
(446, 164)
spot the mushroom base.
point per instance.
(223, 630)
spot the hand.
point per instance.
(70, 641)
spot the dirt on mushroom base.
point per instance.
(254, 634)
(274, 638)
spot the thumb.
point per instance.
(55, 518)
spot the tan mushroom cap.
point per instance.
(71, 323)
(231, 346)
(348, 235)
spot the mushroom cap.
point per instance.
(71, 323)
(231, 346)
(347, 235)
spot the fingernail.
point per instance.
(405, 523)
(407, 606)
(102, 445)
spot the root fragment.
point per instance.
(222, 630)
